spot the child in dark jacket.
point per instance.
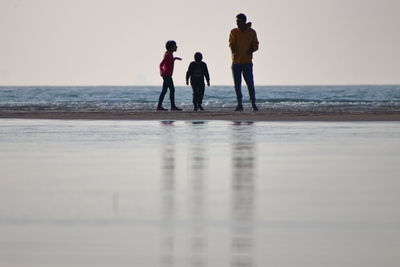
(197, 71)
(166, 70)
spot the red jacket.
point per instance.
(167, 65)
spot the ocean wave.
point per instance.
(122, 98)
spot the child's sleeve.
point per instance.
(189, 72)
(206, 74)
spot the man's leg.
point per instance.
(237, 79)
(248, 77)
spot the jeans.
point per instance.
(198, 93)
(168, 83)
(247, 71)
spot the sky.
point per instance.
(121, 42)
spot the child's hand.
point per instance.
(208, 84)
(187, 82)
(178, 58)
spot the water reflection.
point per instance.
(243, 194)
(197, 188)
(193, 233)
(168, 201)
(188, 243)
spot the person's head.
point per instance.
(198, 57)
(241, 20)
(171, 46)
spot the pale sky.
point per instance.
(121, 42)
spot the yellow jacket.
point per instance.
(241, 42)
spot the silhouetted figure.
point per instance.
(197, 71)
(166, 70)
(243, 42)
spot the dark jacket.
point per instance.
(197, 72)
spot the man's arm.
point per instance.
(253, 45)
(232, 42)
(254, 42)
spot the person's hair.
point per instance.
(198, 56)
(169, 45)
(241, 16)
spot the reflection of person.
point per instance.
(197, 71)
(166, 70)
(243, 42)
(243, 195)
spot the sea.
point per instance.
(143, 98)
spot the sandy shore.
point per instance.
(263, 115)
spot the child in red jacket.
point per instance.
(166, 70)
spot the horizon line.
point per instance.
(218, 85)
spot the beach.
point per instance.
(275, 103)
(95, 176)
(138, 134)
(229, 115)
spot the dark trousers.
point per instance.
(198, 93)
(247, 71)
(168, 83)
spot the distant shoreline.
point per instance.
(263, 115)
(214, 85)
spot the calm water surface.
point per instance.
(331, 98)
(193, 193)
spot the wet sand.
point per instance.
(191, 194)
(263, 115)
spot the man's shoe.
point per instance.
(254, 108)
(200, 107)
(161, 108)
(239, 108)
(195, 109)
(175, 108)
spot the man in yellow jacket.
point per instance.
(243, 42)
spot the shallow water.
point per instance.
(193, 193)
(318, 98)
